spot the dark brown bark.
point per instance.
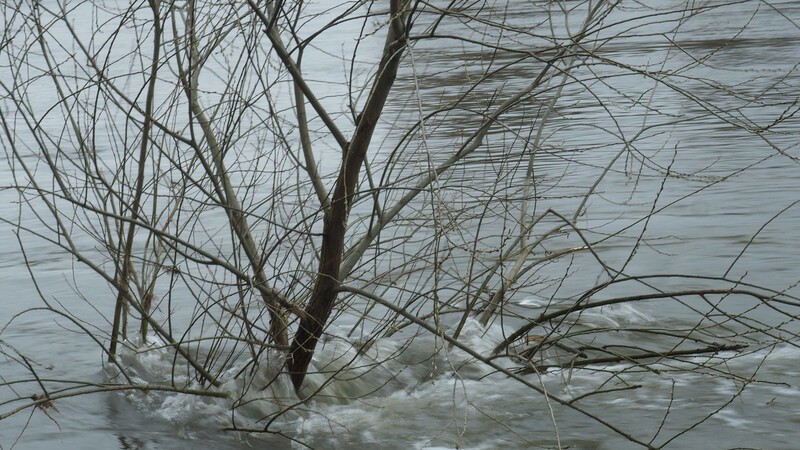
(323, 296)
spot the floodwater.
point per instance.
(731, 208)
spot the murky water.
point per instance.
(715, 219)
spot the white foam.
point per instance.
(732, 419)
(419, 381)
(613, 316)
(533, 301)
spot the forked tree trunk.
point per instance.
(323, 296)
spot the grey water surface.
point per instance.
(703, 233)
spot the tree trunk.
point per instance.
(323, 296)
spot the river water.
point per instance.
(731, 208)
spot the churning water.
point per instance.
(427, 394)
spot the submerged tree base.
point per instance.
(308, 219)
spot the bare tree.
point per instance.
(246, 175)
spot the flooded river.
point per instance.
(684, 132)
